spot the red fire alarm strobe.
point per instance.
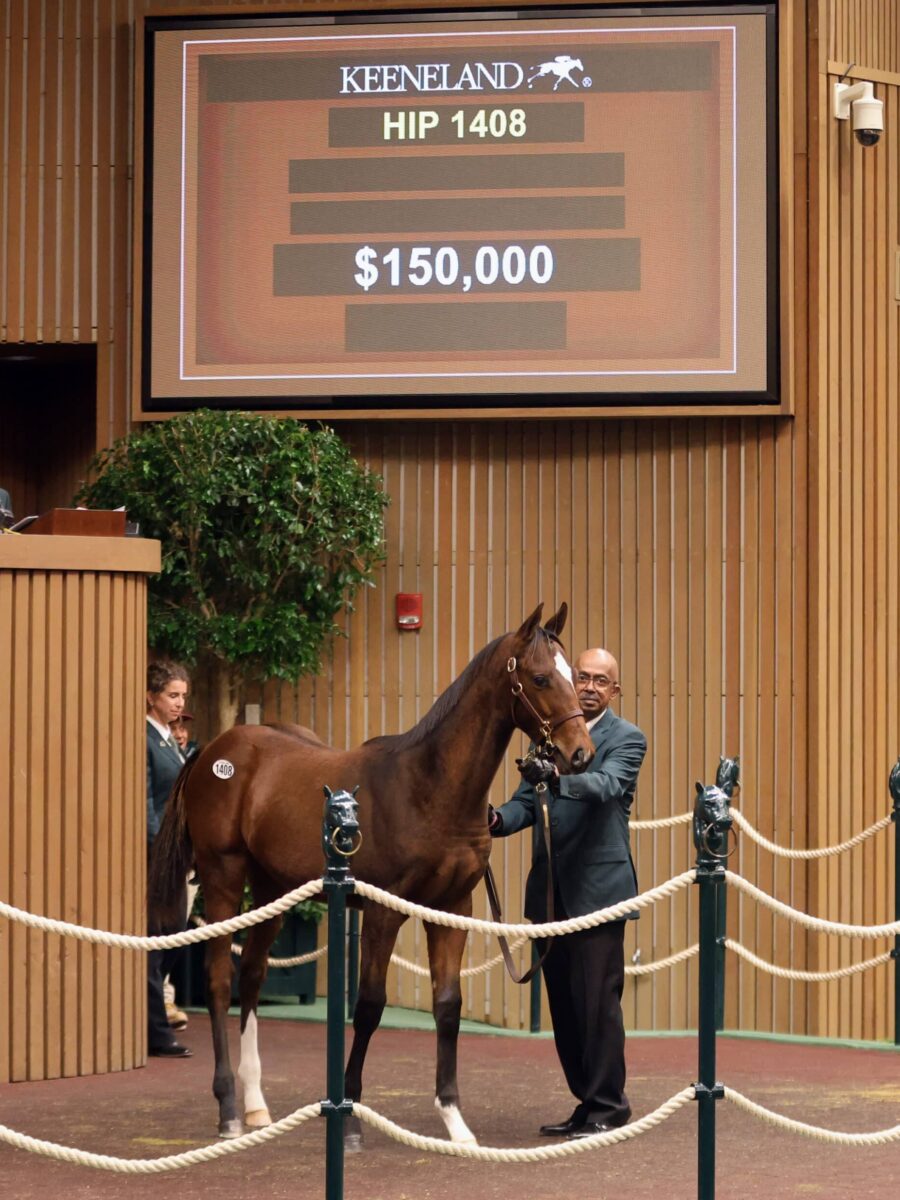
(409, 610)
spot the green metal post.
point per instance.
(340, 834)
(711, 824)
(728, 777)
(352, 962)
(721, 923)
(894, 784)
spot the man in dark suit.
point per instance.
(167, 686)
(592, 869)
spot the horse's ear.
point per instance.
(557, 623)
(328, 792)
(699, 787)
(355, 790)
(527, 628)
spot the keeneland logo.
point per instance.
(560, 68)
(447, 77)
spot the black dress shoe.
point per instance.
(171, 1050)
(588, 1129)
(564, 1128)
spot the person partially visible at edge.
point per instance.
(592, 868)
(6, 509)
(181, 732)
(167, 688)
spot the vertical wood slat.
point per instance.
(72, 811)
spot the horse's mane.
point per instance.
(448, 699)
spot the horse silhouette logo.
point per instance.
(562, 67)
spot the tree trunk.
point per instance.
(223, 697)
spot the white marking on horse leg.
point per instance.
(457, 1130)
(563, 667)
(256, 1114)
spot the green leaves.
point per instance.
(268, 530)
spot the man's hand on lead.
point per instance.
(537, 770)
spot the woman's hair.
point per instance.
(159, 674)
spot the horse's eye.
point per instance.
(541, 681)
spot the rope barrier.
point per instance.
(662, 822)
(530, 1155)
(614, 912)
(662, 963)
(823, 852)
(880, 1137)
(806, 976)
(405, 963)
(164, 941)
(466, 972)
(890, 929)
(156, 1166)
(634, 969)
(298, 960)
(782, 851)
(494, 1154)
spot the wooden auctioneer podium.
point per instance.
(73, 646)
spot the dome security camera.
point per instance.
(868, 121)
(859, 102)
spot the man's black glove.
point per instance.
(537, 770)
(495, 821)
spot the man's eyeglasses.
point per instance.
(599, 681)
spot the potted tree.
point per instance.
(268, 530)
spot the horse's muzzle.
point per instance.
(579, 760)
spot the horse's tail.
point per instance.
(170, 861)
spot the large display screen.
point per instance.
(357, 213)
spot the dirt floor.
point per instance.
(509, 1087)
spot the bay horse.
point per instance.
(249, 806)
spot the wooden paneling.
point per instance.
(72, 807)
(856, 625)
(65, 194)
(865, 32)
(744, 570)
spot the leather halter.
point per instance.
(545, 726)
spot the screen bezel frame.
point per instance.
(472, 404)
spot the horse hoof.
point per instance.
(258, 1118)
(231, 1129)
(353, 1143)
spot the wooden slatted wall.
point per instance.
(72, 809)
(654, 533)
(855, 718)
(697, 558)
(65, 210)
(865, 32)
